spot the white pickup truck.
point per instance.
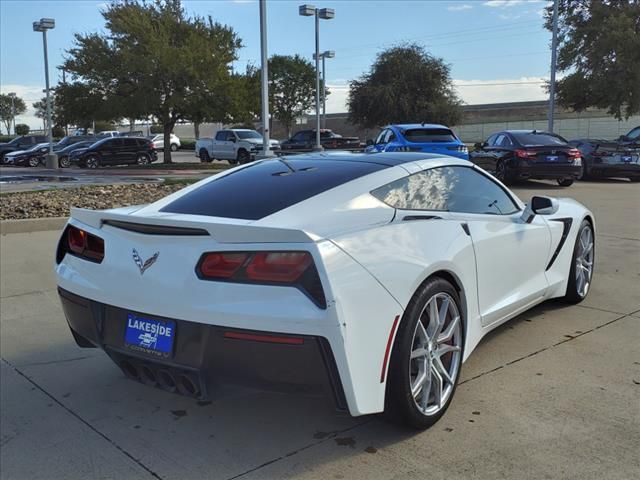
(237, 145)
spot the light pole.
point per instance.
(12, 96)
(42, 26)
(554, 48)
(264, 80)
(323, 55)
(325, 14)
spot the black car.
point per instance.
(24, 142)
(513, 155)
(65, 153)
(611, 158)
(31, 157)
(305, 141)
(118, 151)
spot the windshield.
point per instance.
(37, 147)
(634, 134)
(244, 134)
(422, 135)
(15, 141)
(530, 139)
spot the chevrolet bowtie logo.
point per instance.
(143, 265)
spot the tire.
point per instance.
(204, 156)
(585, 171)
(243, 156)
(634, 179)
(174, 147)
(582, 264)
(420, 411)
(92, 162)
(33, 162)
(565, 182)
(143, 159)
(64, 162)
(501, 172)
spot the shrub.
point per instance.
(187, 144)
(155, 129)
(22, 129)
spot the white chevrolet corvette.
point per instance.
(369, 276)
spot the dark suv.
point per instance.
(118, 151)
(24, 142)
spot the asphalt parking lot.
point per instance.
(552, 394)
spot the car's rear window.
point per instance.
(532, 139)
(261, 189)
(423, 135)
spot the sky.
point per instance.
(498, 50)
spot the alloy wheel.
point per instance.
(142, 159)
(64, 162)
(92, 162)
(501, 171)
(435, 354)
(584, 261)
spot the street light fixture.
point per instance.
(324, 14)
(42, 26)
(323, 55)
(12, 96)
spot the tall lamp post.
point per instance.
(42, 26)
(264, 80)
(323, 55)
(325, 14)
(12, 96)
(552, 83)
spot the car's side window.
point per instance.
(491, 141)
(503, 141)
(221, 135)
(450, 189)
(392, 137)
(634, 134)
(380, 136)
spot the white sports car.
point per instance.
(369, 276)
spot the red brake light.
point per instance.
(574, 153)
(84, 244)
(285, 267)
(526, 154)
(221, 265)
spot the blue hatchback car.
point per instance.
(419, 137)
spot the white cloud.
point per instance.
(474, 92)
(30, 94)
(458, 8)
(507, 3)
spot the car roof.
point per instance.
(390, 159)
(408, 126)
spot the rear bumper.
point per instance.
(546, 171)
(204, 355)
(631, 169)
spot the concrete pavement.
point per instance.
(552, 394)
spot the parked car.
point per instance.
(419, 137)
(369, 277)
(71, 139)
(237, 145)
(118, 151)
(82, 131)
(64, 154)
(305, 141)
(108, 133)
(611, 158)
(529, 154)
(158, 142)
(24, 142)
(31, 157)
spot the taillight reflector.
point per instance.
(222, 265)
(283, 267)
(264, 338)
(84, 244)
(527, 154)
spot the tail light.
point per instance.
(286, 268)
(526, 154)
(82, 244)
(459, 148)
(574, 153)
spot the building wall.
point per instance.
(478, 122)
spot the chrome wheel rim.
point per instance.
(500, 170)
(584, 261)
(92, 162)
(143, 160)
(435, 354)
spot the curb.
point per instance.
(29, 225)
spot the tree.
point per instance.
(9, 112)
(599, 49)
(405, 84)
(40, 108)
(292, 88)
(81, 104)
(153, 59)
(22, 129)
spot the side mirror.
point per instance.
(540, 206)
(478, 145)
(369, 142)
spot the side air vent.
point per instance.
(155, 229)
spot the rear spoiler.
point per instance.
(220, 232)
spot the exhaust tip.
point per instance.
(166, 381)
(147, 376)
(129, 369)
(187, 386)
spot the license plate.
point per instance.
(149, 336)
(552, 158)
(626, 158)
